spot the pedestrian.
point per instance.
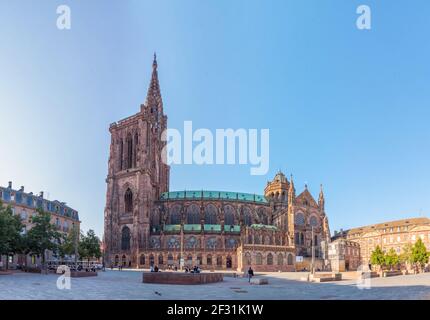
(250, 274)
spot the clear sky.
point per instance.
(346, 108)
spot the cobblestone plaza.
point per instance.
(128, 285)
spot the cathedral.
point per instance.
(146, 224)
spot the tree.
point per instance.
(69, 243)
(10, 232)
(406, 255)
(43, 235)
(391, 258)
(89, 246)
(377, 258)
(420, 256)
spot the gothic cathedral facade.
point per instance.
(147, 225)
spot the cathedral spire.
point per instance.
(291, 192)
(154, 63)
(154, 103)
(321, 200)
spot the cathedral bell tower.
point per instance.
(136, 177)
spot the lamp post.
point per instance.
(313, 253)
(76, 248)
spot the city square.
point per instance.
(127, 285)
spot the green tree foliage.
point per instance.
(420, 256)
(377, 258)
(69, 242)
(391, 258)
(89, 246)
(406, 255)
(43, 235)
(10, 232)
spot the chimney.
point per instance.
(41, 194)
(22, 189)
(10, 184)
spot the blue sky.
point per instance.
(346, 108)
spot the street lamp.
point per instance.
(313, 252)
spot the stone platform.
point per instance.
(181, 278)
(325, 277)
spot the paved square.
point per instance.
(128, 285)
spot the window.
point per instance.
(230, 243)
(128, 201)
(280, 259)
(211, 243)
(193, 214)
(228, 215)
(211, 214)
(248, 259)
(23, 215)
(191, 243)
(300, 219)
(129, 146)
(247, 219)
(175, 215)
(262, 216)
(125, 238)
(209, 259)
(121, 153)
(155, 221)
(269, 259)
(136, 143)
(160, 259)
(142, 259)
(290, 259)
(229, 262)
(173, 243)
(313, 221)
(258, 259)
(219, 261)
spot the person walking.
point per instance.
(250, 274)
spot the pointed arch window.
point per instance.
(211, 214)
(121, 154)
(247, 218)
(129, 146)
(229, 215)
(269, 259)
(136, 143)
(193, 214)
(128, 201)
(125, 238)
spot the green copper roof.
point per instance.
(220, 195)
(192, 227)
(172, 227)
(212, 227)
(263, 226)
